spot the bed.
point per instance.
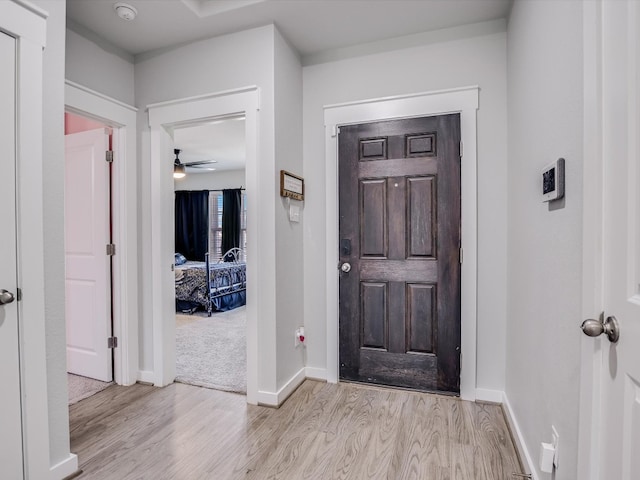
(213, 286)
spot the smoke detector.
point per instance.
(125, 11)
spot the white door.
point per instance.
(618, 433)
(88, 273)
(10, 410)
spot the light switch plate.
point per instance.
(294, 213)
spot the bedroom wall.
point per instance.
(211, 180)
(76, 124)
(289, 235)
(472, 55)
(545, 244)
(100, 67)
(53, 201)
(214, 65)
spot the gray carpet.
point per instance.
(212, 351)
(83, 387)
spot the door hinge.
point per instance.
(19, 294)
(109, 156)
(460, 149)
(112, 342)
(111, 249)
(461, 255)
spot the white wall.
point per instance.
(53, 199)
(214, 65)
(443, 64)
(289, 235)
(211, 180)
(90, 65)
(545, 245)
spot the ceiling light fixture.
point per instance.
(125, 11)
(178, 168)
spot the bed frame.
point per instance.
(225, 277)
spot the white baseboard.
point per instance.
(525, 455)
(146, 376)
(486, 395)
(67, 467)
(270, 399)
(316, 373)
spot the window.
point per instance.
(215, 225)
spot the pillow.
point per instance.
(180, 260)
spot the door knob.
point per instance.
(594, 328)
(6, 297)
(346, 267)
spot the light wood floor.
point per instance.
(323, 431)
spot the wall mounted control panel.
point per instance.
(553, 181)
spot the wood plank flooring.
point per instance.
(323, 431)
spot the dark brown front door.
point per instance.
(400, 233)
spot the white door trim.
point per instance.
(122, 117)
(28, 24)
(592, 253)
(460, 100)
(162, 118)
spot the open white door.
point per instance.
(11, 461)
(88, 274)
(614, 452)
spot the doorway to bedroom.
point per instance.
(210, 223)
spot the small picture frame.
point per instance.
(291, 186)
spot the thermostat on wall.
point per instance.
(553, 181)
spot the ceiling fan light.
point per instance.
(178, 171)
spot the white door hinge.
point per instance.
(111, 249)
(460, 149)
(461, 255)
(112, 342)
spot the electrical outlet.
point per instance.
(299, 337)
(555, 441)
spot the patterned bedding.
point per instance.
(228, 281)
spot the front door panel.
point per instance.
(400, 232)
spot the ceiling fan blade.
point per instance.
(200, 167)
(201, 162)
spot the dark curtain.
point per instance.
(192, 224)
(231, 202)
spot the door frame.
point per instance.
(122, 118)
(28, 24)
(162, 118)
(592, 253)
(460, 100)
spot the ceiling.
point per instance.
(311, 26)
(221, 140)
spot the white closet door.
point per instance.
(88, 274)
(11, 459)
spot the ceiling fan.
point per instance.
(179, 168)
